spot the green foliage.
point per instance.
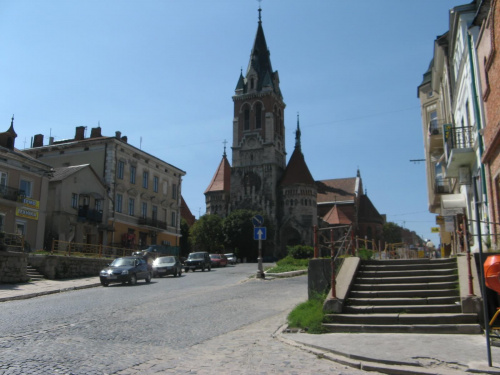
(300, 251)
(308, 315)
(365, 254)
(184, 241)
(288, 264)
(237, 230)
(206, 234)
(392, 232)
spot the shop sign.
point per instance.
(31, 203)
(27, 213)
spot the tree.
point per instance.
(206, 234)
(184, 241)
(238, 233)
(392, 233)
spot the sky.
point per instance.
(163, 73)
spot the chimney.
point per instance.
(118, 134)
(124, 139)
(38, 141)
(95, 132)
(80, 133)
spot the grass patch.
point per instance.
(309, 315)
(288, 264)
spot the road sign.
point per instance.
(259, 233)
(257, 221)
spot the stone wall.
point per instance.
(13, 267)
(62, 267)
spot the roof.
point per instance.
(367, 211)
(340, 215)
(336, 190)
(222, 177)
(296, 171)
(64, 172)
(186, 212)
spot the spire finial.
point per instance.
(12, 121)
(225, 142)
(297, 133)
(260, 10)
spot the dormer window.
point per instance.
(251, 83)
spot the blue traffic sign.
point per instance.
(259, 233)
(257, 221)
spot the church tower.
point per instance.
(258, 148)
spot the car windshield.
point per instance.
(123, 262)
(196, 256)
(215, 256)
(229, 255)
(166, 260)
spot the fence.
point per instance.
(12, 242)
(83, 249)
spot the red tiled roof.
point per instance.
(222, 177)
(336, 190)
(186, 212)
(340, 215)
(296, 171)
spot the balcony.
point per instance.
(442, 186)
(152, 223)
(459, 145)
(87, 214)
(435, 135)
(10, 193)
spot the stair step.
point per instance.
(404, 293)
(403, 301)
(414, 309)
(405, 280)
(396, 318)
(403, 286)
(395, 267)
(411, 262)
(463, 329)
(406, 273)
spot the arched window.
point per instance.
(246, 118)
(258, 116)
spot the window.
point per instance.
(154, 213)
(131, 204)
(144, 210)
(258, 116)
(174, 191)
(132, 174)
(121, 169)
(2, 222)
(246, 114)
(145, 179)
(98, 204)
(25, 187)
(173, 223)
(155, 184)
(3, 179)
(74, 200)
(433, 123)
(21, 228)
(119, 202)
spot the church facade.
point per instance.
(259, 178)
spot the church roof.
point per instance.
(367, 211)
(336, 190)
(340, 215)
(222, 177)
(186, 212)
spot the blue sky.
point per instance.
(163, 73)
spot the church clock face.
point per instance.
(252, 143)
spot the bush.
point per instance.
(300, 251)
(288, 264)
(365, 254)
(308, 315)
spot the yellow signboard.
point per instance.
(435, 230)
(439, 219)
(27, 213)
(32, 203)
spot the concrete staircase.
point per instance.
(33, 274)
(404, 296)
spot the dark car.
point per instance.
(126, 269)
(168, 265)
(200, 260)
(218, 260)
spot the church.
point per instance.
(259, 179)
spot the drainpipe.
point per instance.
(479, 127)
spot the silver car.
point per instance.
(231, 258)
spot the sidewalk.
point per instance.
(385, 353)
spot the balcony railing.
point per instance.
(86, 213)
(442, 186)
(459, 137)
(152, 223)
(10, 193)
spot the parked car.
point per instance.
(231, 258)
(126, 269)
(168, 265)
(218, 260)
(199, 260)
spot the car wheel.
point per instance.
(133, 280)
(180, 272)
(186, 270)
(202, 268)
(148, 278)
(209, 268)
(104, 283)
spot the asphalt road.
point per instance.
(200, 323)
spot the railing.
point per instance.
(458, 137)
(88, 214)
(152, 223)
(88, 250)
(12, 242)
(442, 186)
(9, 193)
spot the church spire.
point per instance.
(297, 135)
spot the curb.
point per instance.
(286, 274)
(54, 291)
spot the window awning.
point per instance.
(453, 201)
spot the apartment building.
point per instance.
(144, 192)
